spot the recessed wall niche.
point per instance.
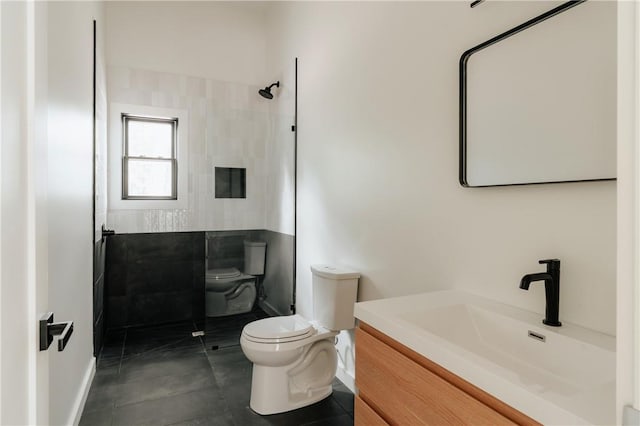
(231, 182)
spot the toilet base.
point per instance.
(276, 396)
(237, 301)
(289, 387)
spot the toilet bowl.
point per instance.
(295, 360)
(294, 363)
(228, 291)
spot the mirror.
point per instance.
(538, 102)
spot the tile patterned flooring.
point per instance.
(164, 376)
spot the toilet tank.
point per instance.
(334, 294)
(254, 256)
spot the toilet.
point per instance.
(230, 291)
(294, 359)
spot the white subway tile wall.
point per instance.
(230, 125)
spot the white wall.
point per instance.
(209, 60)
(217, 40)
(226, 124)
(628, 218)
(378, 164)
(280, 151)
(70, 199)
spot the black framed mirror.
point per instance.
(538, 102)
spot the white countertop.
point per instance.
(547, 399)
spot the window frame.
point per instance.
(124, 208)
(173, 121)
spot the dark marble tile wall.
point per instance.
(278, 278)
(98, 296)
(154, 278)
(158, 278)
(225, 249)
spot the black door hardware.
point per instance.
(107, 232)
(49, 329)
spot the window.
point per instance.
(117, 154)
(149, 161)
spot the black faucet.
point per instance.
(551, 280)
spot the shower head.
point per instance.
(266, 92)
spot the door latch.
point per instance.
(62, 331)
(106, 233)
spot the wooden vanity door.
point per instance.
(397, 388)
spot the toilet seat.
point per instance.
(224, 280)
(279, 330)
(222, 273)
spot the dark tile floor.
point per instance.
(164, 376)
(224, 332)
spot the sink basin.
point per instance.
(537, 357)
(556, 375)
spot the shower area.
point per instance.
(250, 272)
(184, 274)
(226, 257)
(249, 276)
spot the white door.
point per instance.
(46, 172)
(24, 374)
(70, 200)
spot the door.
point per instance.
(70, 199)
(23, 216)
(46, 115)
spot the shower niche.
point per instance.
(231, 182)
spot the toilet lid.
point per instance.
(223, 273)
(291, 327)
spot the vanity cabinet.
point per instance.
(398, 386)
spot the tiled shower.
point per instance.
(156, 262)
(156, 278)
(229, 125)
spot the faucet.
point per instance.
(551, 280)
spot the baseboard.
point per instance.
(346, 378)
(83, 392)
(630, 416)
